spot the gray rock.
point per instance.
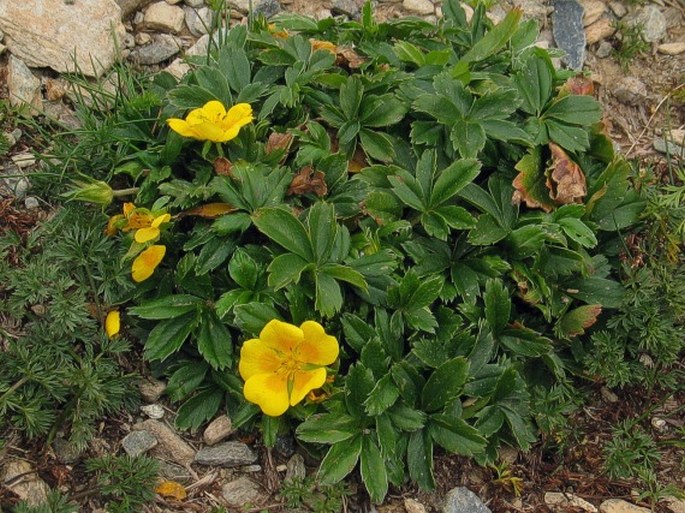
(138, 442)
(251, 469)
(62, 114)
(295, 468)
(29, 487)
(199, 21)
(242, 491)
(13, 183)
(217, 430)
(195, 3)
(630, 90)
(349, 8)
(604, 50)
(128, 7)
(569, 35)
(66, 453)
(174, 472)
(285, 445)
(561, 502)
(669, 148)
(618, 9)
(227, 454)
(419, 6)
(52, 33)
(170, 445)
(164, 17)
(266, 7)
(154, 411)
(162, 47)
(24, 88)
(31, 202)
(151, 389)
(463, 500)
(652, 21)
(129, 41)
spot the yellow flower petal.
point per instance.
(145, 264)
(164, 218)
(112, 225)
(209, 132)
(138, 219)
(113, 323)
(281, 336)
(213, 110)
(146, 234)
(256, 358)
(128, 209)
(180, 126)
(304, 382)
(317, 347)
(269, 391)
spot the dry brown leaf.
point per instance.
(279, 141)
(579, 85)
(210, 210)
(308, 180)
(171, 490)
(566, 180)
(349, 58)
(358, 161)
(223, 166)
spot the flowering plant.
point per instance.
(436, 196)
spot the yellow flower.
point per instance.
(211, 122)
(323, 45)
(151, 232)
(146, 263)
(285, 363)
(113, 323)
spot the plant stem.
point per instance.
(13, 388)
(125, 192)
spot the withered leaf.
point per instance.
(306, 181)
(566, 180)
(209, 210)
(358, 161)
(529, 184)
(223, 166)
(579, 85)
(576, 321)
(278, 141)
(348, 57)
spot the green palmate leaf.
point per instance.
(534, 82)
(382, 397)
(322, 230)
(237, 69)
(608, 293)
(373, 471)
(214, 341)
(214, 80)
(358, 386)
(408, 52)
(340, 460)
(420, 459)
(576, 321)
(496, 39)
(168, 336)
(487, 231)
(571, 138)
(382, 111)
(497, 305)
(283, 227)
(345, 273)
(578, 231)
(445, 384)
(455, 435)
(468, 138)
(167, 307)
(456, 217)
(377, 145)
(357, 331)
(438, 107)
(351, 93)
(244, 270)
(190, 96)
(213, 254)
(285, 269)
(328, 294)
(521, 428)
(327, 428)
(453, 179)
(199, 409)
(408, 190)
(575, 110)
(186, 379)
(252, 317)
(232, 223)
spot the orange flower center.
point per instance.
(290, 363)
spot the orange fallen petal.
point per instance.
(171, 490)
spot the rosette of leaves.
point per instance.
(441, 197)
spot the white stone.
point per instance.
(29, 487)
(419, 6)
(199, 21)
(562, 501)
(154, 411)
(24, 160)
(621, 506)
(195, 3)
(672, 48)
(177, 68)
(618, 9)
(31, 202)
(164, 17)
(83, 36)
(24, 88)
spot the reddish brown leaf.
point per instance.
(223, 166)
(565, 180)
(278, 141)
(529, 184)
(579, 85)
(358, 161)
(576, 321)
(209, 210)
(308, 181)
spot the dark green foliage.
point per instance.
(124, 483)
(59, 371)
(630, 451)
(55, 503)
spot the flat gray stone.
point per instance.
(349, 8)
(199, 21)
(162, 47)
(138, 442)
(154, 411)
(266, 7)
(295, 469)
(652, 21)
(463, 500)
(23, 86)
(31, 202)
(227, 454)
(568, 31)
(631, 91)
(242, 491)
(419, 6)
(170, 445)
(174, 472)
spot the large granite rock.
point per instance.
(65, 36)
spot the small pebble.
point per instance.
(138, 442)
(671, 48)
(31, 202)
(24, 160)
(659, 424)
(154, 411)
(604, 50)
